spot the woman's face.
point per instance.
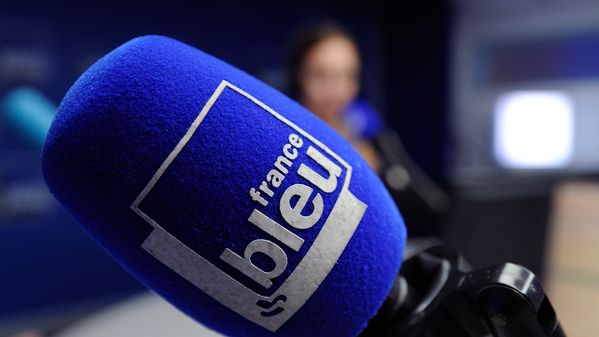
(329, 76)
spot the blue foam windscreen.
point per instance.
(224, 196)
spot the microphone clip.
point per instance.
(438, 294)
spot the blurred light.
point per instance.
(30, 112)
(534, 129)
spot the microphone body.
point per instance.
(221, 194)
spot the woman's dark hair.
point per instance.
(301, 43)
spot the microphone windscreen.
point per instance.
(221, 194)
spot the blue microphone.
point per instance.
(224, 196)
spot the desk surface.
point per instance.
(145, 315)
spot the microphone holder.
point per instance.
(438, 294)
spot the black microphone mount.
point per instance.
(438, 294)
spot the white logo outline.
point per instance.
(331, 241)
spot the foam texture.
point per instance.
(124, 116)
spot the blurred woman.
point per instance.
(324, 71)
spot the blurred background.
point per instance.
(483, 114)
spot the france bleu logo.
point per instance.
(307, 187)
